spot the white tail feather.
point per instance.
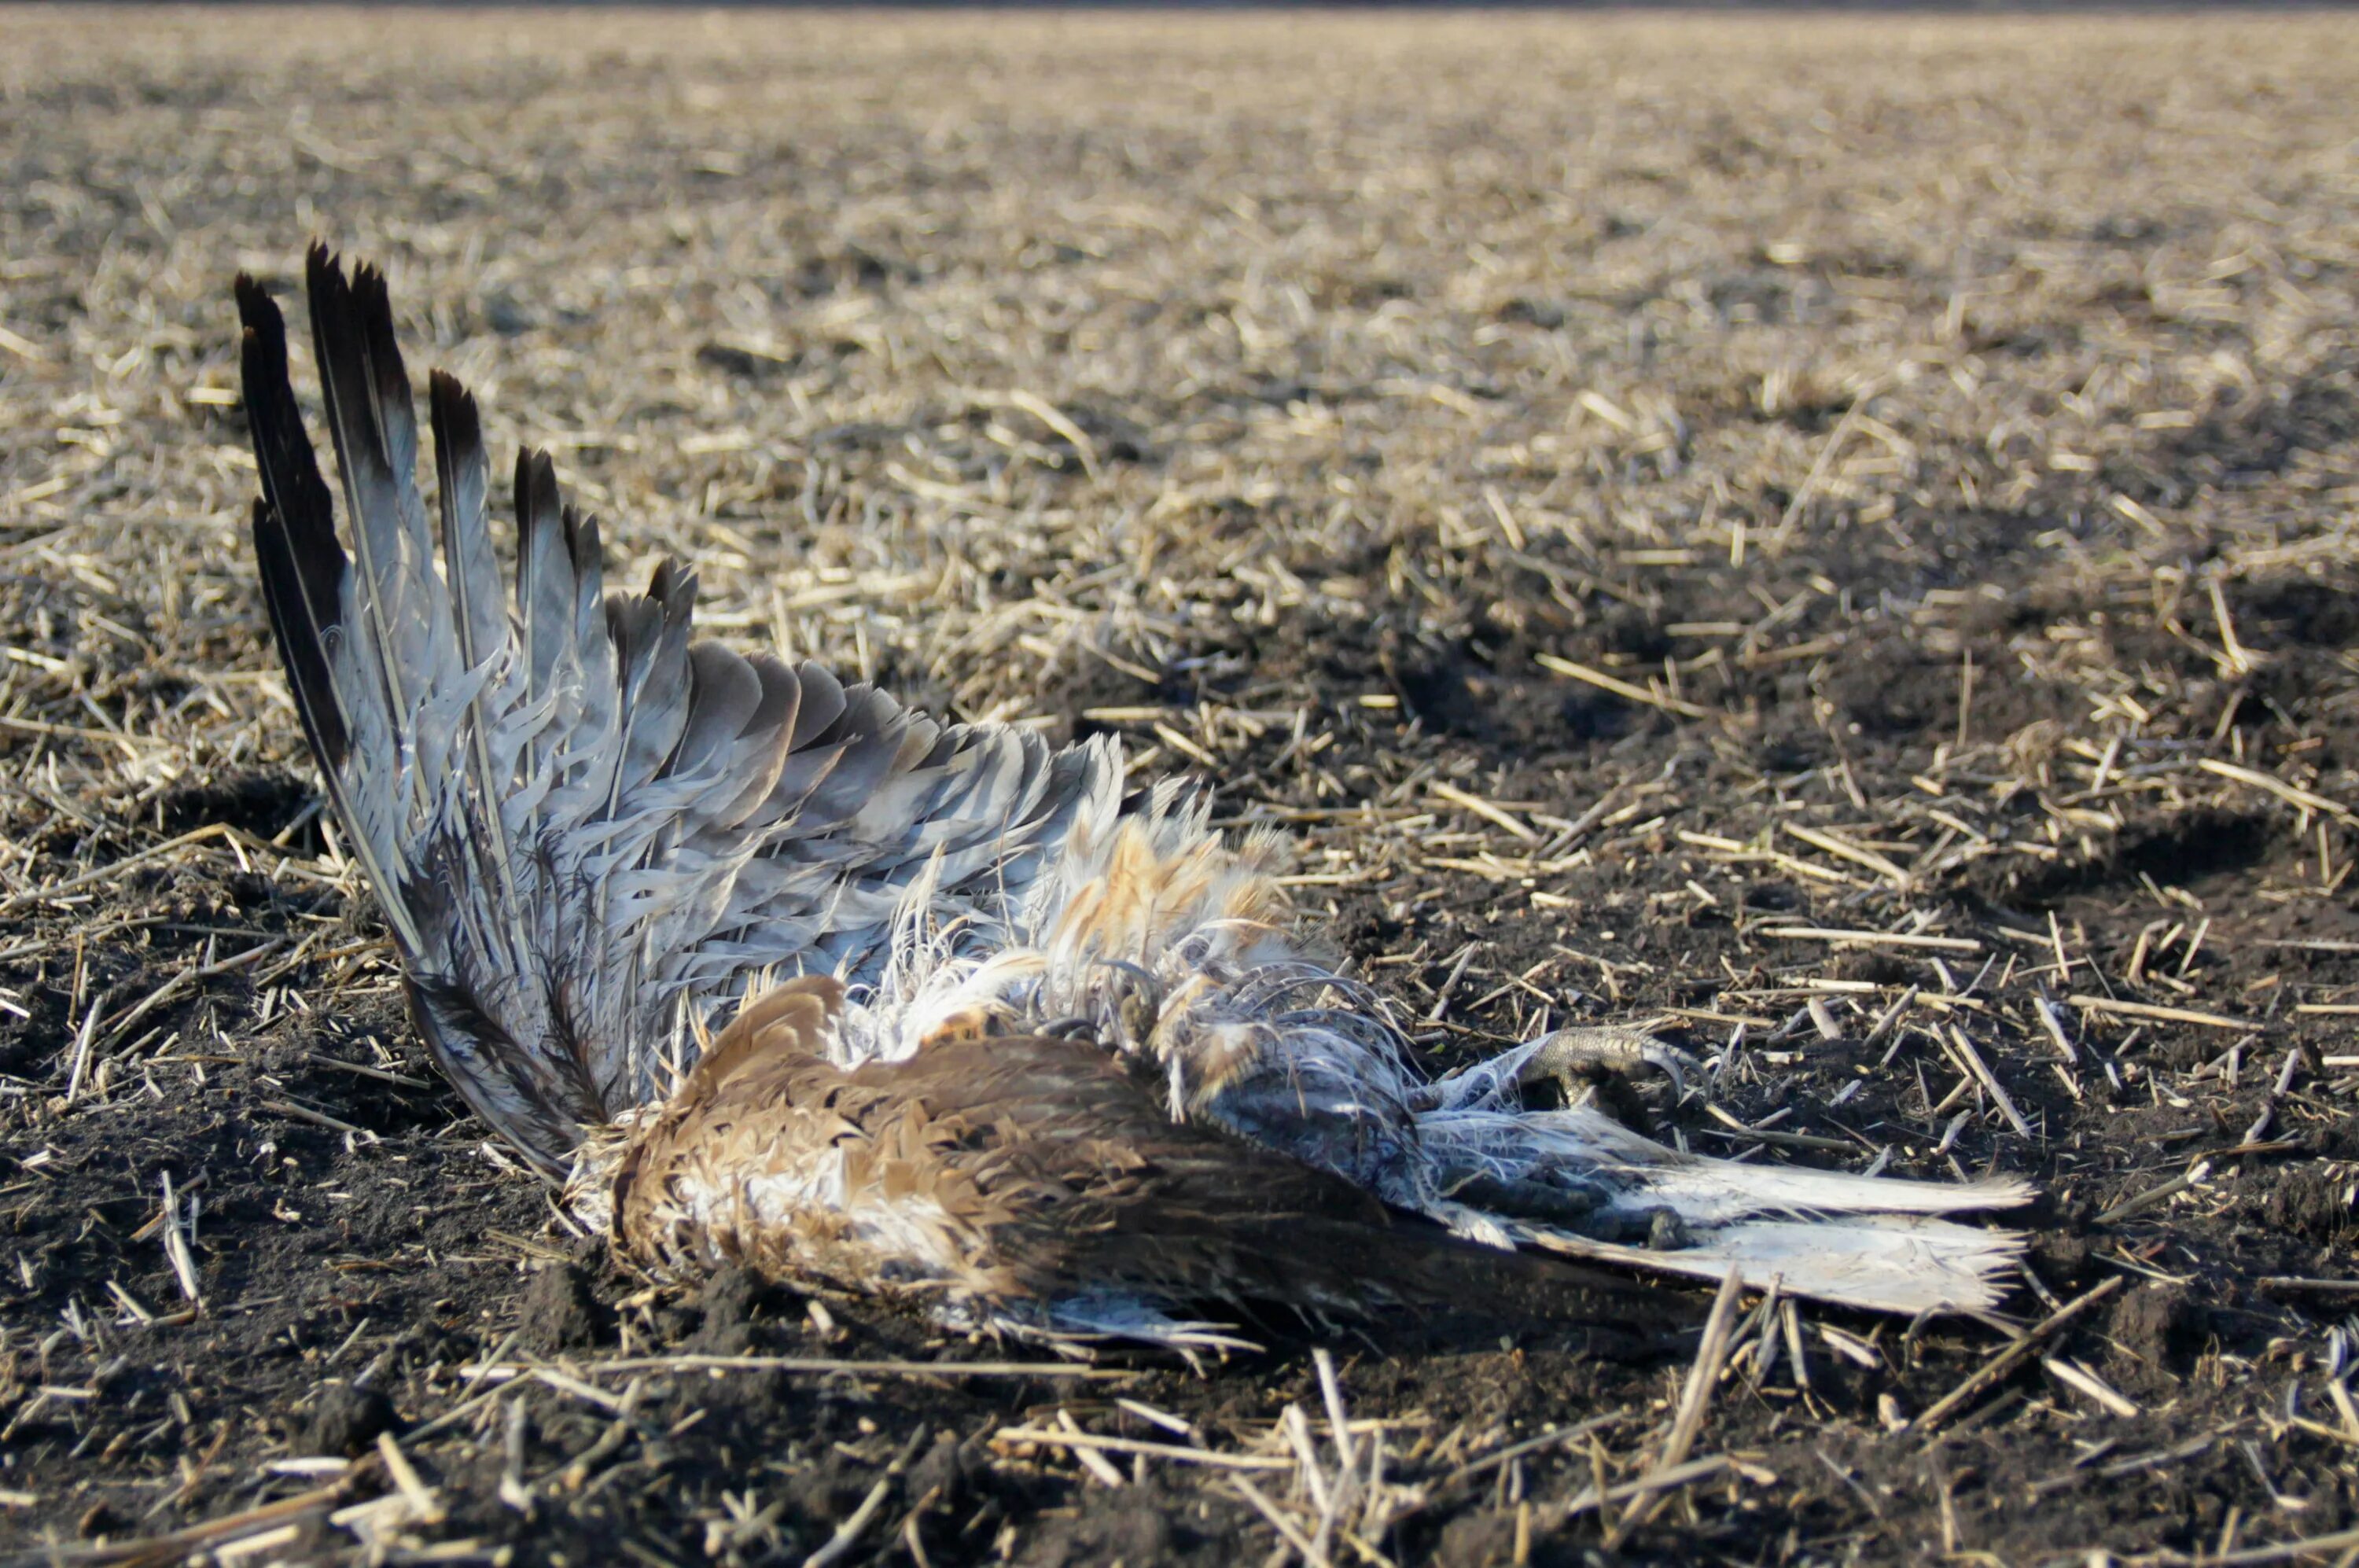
(1891, 1263)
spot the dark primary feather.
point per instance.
(478, 622)
(462, 483)
(374, 428)
(295, 522)
(306, 580)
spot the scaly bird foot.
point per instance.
(1574, 1058)
(1566, 1205)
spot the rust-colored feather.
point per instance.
(792, 1017)
(1014, 1171)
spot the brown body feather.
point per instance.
(1020, 1169)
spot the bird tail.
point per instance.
(1866, 1241)
(1892, 1263)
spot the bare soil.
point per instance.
(1623, 491)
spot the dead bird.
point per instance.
(769, 968)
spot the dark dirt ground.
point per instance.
(1947, 433)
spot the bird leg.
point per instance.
(1569, 1203)
(1567, 1207)
(1659, 1229)
(1574, 1058)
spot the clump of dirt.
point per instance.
(1484, 1539)
(560, 1313)
(2315, 1206)
(2155, 1327)
(727, 1305)
(345, 1419)
(264, 804)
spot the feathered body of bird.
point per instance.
(1047, 1049)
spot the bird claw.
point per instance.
(1136, 998)
(1571, 1055)
(1667, 1231)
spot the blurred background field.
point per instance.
(1631, 492)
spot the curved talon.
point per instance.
(1575, 1053)
(1667, 1231)
(1138, 1001)
(1079, 1027)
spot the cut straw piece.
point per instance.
(1973, 1063)
(2158, 1014)
(2014, 1355)
(1873, 938)
(1489, 811)
(2292, 794)
(1604, 683)
(1695, 1399)
(2082, 1381)
(1845, 850)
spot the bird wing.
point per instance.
(570, 812)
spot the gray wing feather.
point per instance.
(574, 813)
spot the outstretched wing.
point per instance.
(570, 811)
